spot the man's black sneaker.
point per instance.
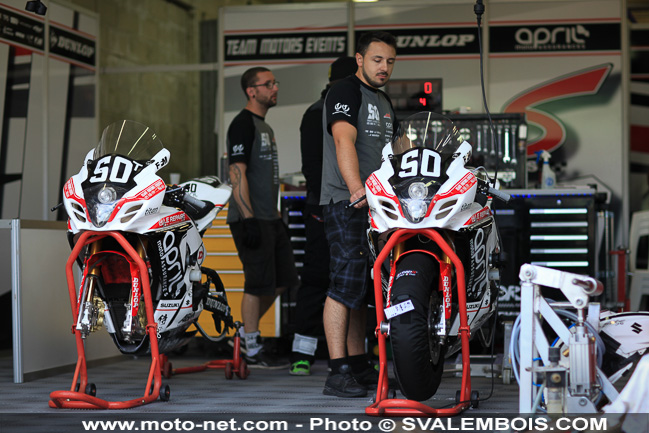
(369, 378)
(343, 384)
(263, 360)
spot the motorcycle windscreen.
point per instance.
(128, 138)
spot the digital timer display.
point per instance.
(415, 95)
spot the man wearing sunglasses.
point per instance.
(259, 234)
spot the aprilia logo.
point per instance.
(551, 38)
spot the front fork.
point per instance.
(92, 310)
(88, 317)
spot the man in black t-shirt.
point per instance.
(358, 122)
(258, 231)
(315, 272)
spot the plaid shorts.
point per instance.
(349, 269)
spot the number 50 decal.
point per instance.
(431, 163)
(120, 170)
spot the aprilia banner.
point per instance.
(554, 37)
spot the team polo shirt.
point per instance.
(251, 140)
(370, 111)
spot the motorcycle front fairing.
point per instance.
(118, 190)
(423, 183)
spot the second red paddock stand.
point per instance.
(235, 366)
(384, 406)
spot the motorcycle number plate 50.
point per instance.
(421, 162)
(399, 309)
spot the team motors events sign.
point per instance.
(554, 37)
(284, 46)
(410, 42)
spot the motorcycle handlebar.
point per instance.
(499, 194)
(355, 202)
(193, 201)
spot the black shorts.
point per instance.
(271, 264)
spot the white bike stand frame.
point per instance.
(534, 344)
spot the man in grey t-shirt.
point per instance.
(259, 233)
(358, 120)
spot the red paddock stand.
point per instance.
(153, 389)
(384, 406)
(237, 365)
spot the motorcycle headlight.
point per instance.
(418, 190)
(101, 201)
(107, 195)
(415, 197)
(416, 209)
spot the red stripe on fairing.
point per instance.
(146, 194)
(462, 186)
(554, 134)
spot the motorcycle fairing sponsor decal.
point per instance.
(477, 281)
(71, 194)
(406, 273)
(399, 309)
(478, 216)
(150, 191)
(176, 218)
(376, 187)
(172, 261)
(168, 305)
(146, 194)
(553, 133)
(445, 280)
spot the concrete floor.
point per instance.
(208, 395)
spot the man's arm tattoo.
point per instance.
(236, 183)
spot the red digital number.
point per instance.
(422, 101)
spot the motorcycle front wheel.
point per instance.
(417, 350)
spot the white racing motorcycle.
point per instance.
(138, 243)
(436, 247)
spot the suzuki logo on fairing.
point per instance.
(637, 328)
(543, 38)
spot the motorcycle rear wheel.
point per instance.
(417, 350)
